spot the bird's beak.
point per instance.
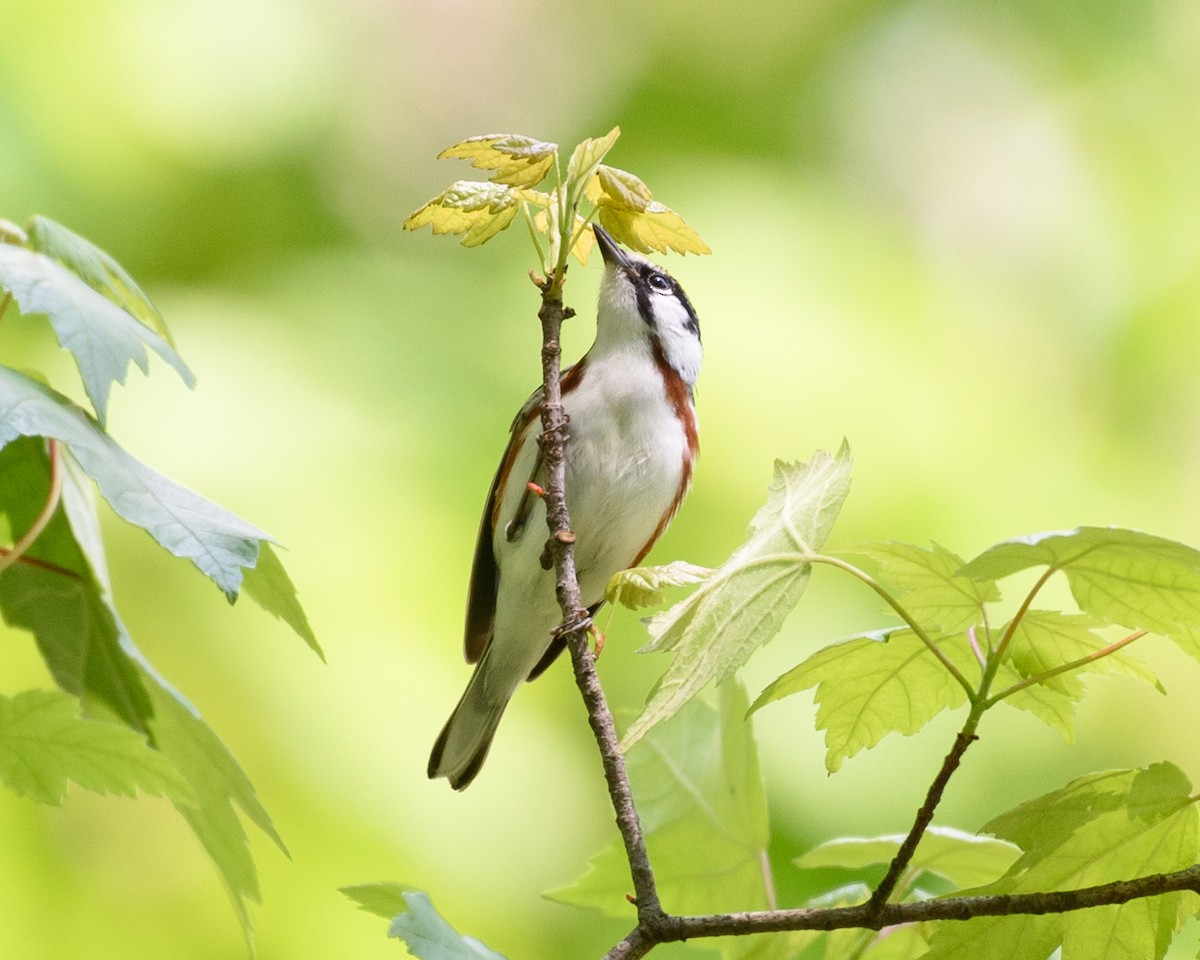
(613, 255)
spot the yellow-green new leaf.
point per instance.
(586, 158)
(642, 587)
(743, 604)
(656, 229)
(618, 188)
(517, 161)
(473, 208)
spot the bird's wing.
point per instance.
(485, 575)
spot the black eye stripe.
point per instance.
(647, 282)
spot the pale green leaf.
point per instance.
(267, 583)
(219, 543)
(873, 685)
(102, 337)
(965, 859)
(97, 269)
(429, 937)
(657, 228)
(475, 209)
(703, 811)
(641, 587)
(1120, 576)
(517, 160)
(931, 589)
(382, 899)
(44, 742)
(743, 604)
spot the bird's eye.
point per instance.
(659, 282)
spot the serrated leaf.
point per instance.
(657, 228)
(472, 208)
(932, 591)
(641, 587)
(1125, 577)
(703, 811)
(102, 337)
(97, 269)
(219, 543)
(743, 604)
(267, 583)
(872, 685)
(429, 937)
(382, 899)
(517, 160)
(44, 743)
(965, 859)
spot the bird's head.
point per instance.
(640, 300)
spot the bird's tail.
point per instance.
(463, 744)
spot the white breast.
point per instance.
(625, 460)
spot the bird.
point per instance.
(632, 442)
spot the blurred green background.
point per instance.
(963, 235)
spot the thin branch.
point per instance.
(908, 847)
(575, 617)
(53, 496)
(1065, 667)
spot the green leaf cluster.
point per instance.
(950, 649)
(1112, 825)
(557, 217)
(115, 725)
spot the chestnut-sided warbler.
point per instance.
(631, 443)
